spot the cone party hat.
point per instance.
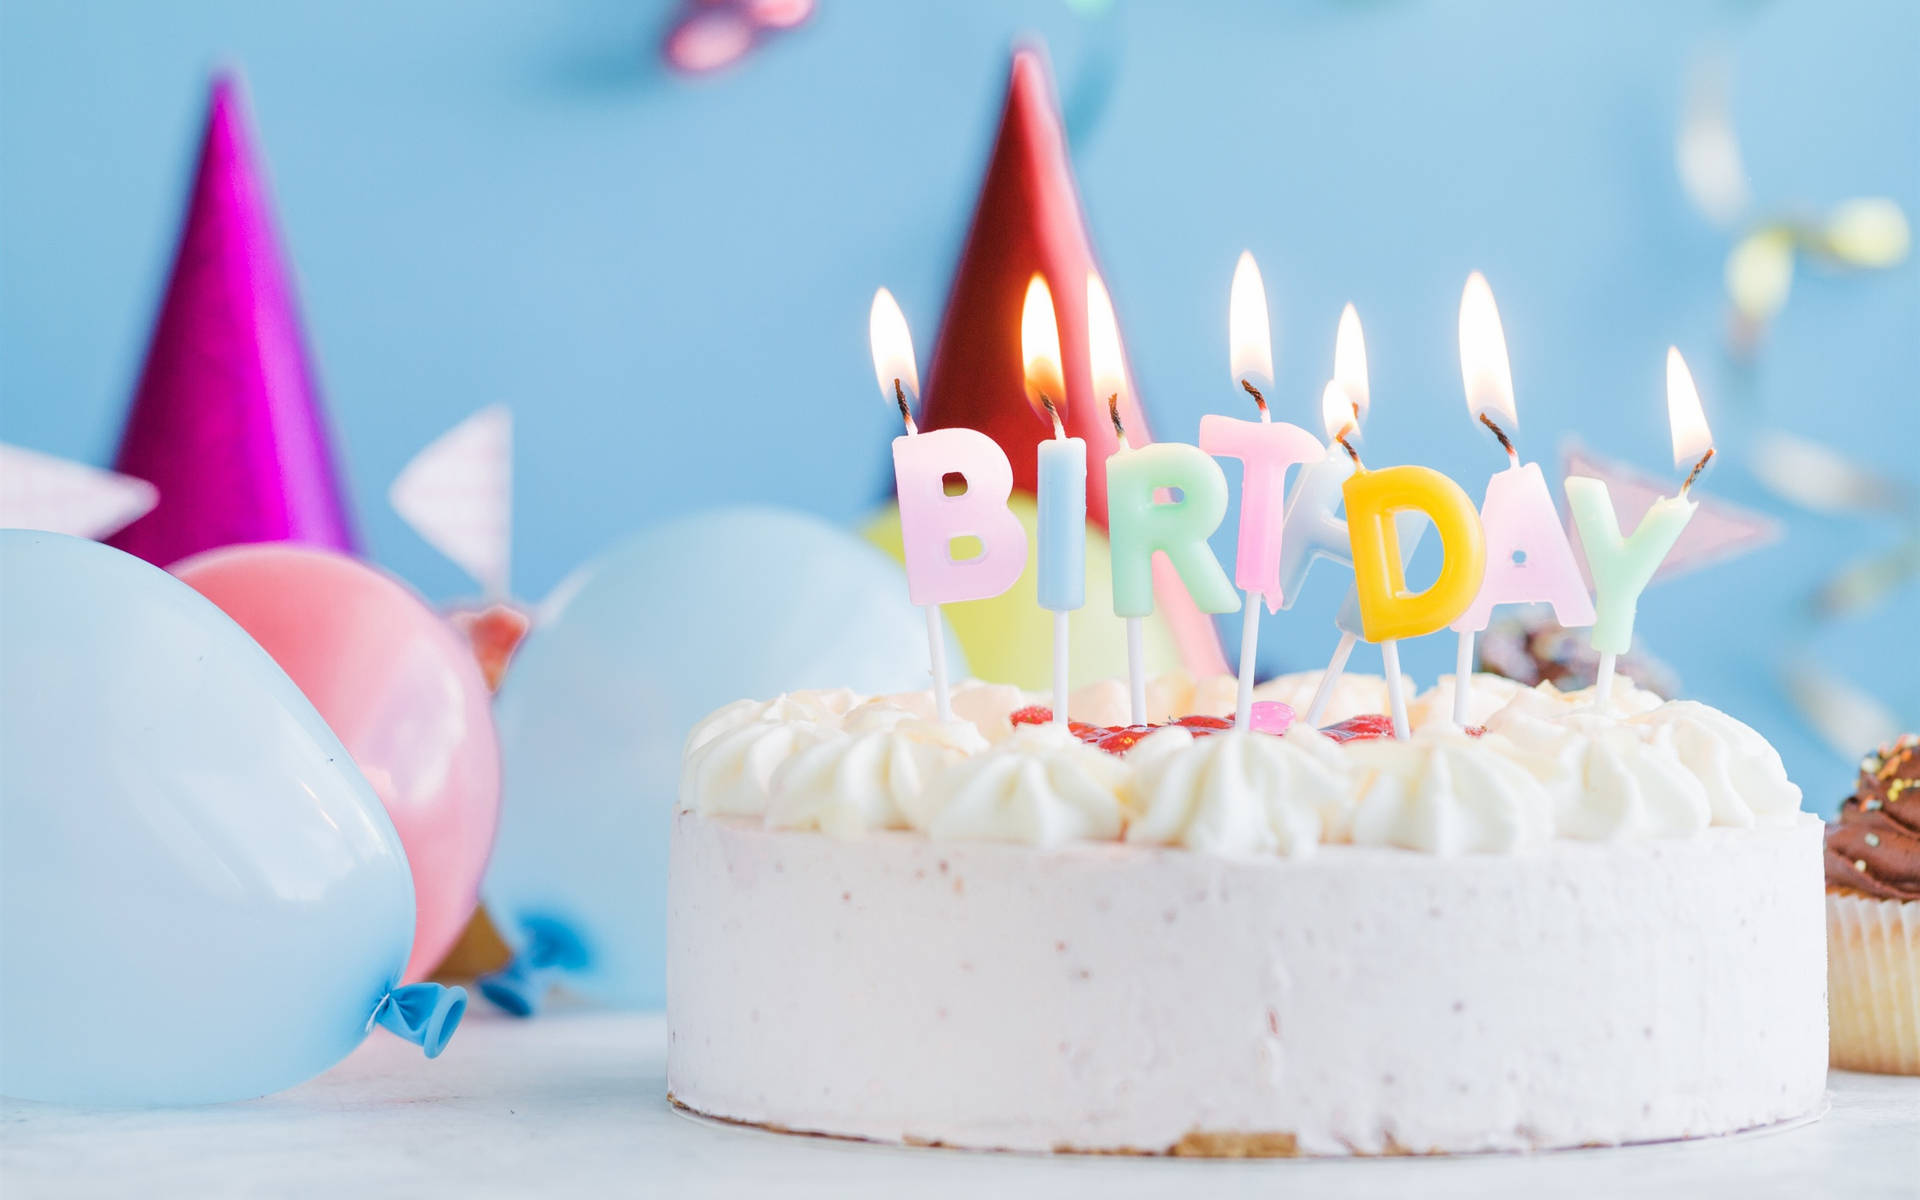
(1028, 221)
(227, 421)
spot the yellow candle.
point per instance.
(1388, 611)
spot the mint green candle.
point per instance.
(1621, 566)
(1138, 526)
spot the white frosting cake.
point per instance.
(1574, 929)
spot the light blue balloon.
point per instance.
(627, 655)
(201, 899)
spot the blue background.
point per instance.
(668, 279)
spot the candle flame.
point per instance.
(1350, 363)
(1336, 411)
(892, 348)
(1484, 369)
(1109, 364)
(1040, 350)
(1692, 440)
(1249, 331)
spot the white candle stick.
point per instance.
(1136, 671)
(937, 655)
(1060, 668)
(1603, 684)
(1336, 666)
(1462, 678)
(1249, 650)
(1396, 688)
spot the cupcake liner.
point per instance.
(1873, 984)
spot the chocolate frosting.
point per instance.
(1874, 849)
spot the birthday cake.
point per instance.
(1567, 928)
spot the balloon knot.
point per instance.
(425, 1014)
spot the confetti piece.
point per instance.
(1818, 477)
(1708, 149)
(457, 494)
(1870, 233)
(1866, 583)
(1843, 716)
(1719, 530)
(1760, 274)
(39, 491)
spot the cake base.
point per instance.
(1106, 998)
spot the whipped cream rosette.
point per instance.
(879, 774)
(1240, 793)
(1042, 786)
(1444, 792)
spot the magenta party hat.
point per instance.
(226, 422)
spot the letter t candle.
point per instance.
(1266, 449)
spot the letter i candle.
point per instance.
(930, 519)
(1622, 567)
(1529, 559)
(1062, 473)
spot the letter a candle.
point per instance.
(1139, 523)
(1529, 559)
(1621, 567)
(930, 519)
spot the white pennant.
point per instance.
(39, 491)
(458, 495)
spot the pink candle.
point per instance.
(1529, 559)
(931, 521)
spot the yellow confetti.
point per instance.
(1760, 274)
(1870, 232)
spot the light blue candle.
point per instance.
(1062, 581)
(1311, 530)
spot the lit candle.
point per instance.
(1621, 567)
(1265, 448)
(931, 520)
(1062, 576)
(1139, 523)
(1529, 559)
(1312, 529)
(1389, 612)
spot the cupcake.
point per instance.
(1873, 916)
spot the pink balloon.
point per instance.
(401, 690)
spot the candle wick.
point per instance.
(1506, 443)
(906, 414)
(1113, 413)
(1257, 398)
(1697, 468)
(1046, 402)
(1341, 437)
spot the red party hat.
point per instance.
(1028, 221)
(226, 421)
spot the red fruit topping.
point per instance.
(1032, 714)
(1122, 738)
(1202, 726)
(1476, 731)
(1361, 728)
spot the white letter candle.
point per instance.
(1266, 449)
(1622, 567)
(1062, 466)
(1529, 559)
(931, 520)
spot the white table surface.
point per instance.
(574, 1103)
